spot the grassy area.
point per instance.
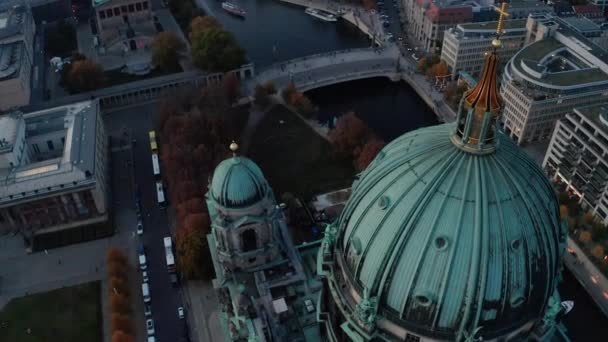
(295, 158)
(70, 314)
(116, 77)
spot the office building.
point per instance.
(557, 70)
(464, 47)
(578, 157)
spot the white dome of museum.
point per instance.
(452, 233)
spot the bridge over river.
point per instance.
(325, 69)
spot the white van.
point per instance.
(145, 290)
(142, 261)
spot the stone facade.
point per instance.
(121, 20)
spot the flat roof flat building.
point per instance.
(578, 156)
(17, 29)
(465, 46)
(52, 169)
(557, 70)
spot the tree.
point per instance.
(190, 247)
(122, 323)
(115, 255)
(422, 64)
(231, 86)
(84, 75)
(117, 269)
(260, 96)
(166, 48)
(369, 4)
(349, 134)
(120, 285)
(201, 24)
(563, 211)
(368, 153)
(585, 236)
(216, 50)
(121, 336)
(440, 69)
(197, 222)
(588, 218)
(598, 252)
(288, 92)
(119, 303)
(191, 206)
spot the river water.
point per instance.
(274, 31)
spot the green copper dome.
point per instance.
(238, 182)
(451, 242)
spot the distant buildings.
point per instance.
(124, 25)
(53, 180)
(464, 47)
(577, 156)
(559, 69)
(17, 29)
(521, 9)
(589, 11)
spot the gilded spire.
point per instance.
(234, 147)
(480, 106)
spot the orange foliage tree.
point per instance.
(231, 86)
(122, 323)
(120, 285)
(119, 303)
(120, 336)
(348, 135)
(368, 153)
(201, 24)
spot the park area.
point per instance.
(294, 158)
(71, 314)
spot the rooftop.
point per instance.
(596, 113)
(13, 20)
(8, 132)
(491, 25)
(581, 24)
(73, 169)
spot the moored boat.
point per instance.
(319, 14)
(233, 9)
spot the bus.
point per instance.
(153, 144)
(169, 254)
(160, 193)
(155, 165)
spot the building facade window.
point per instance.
(102, 14)
(50, 145)
(116, 11)
(36, 148)
(138, 6)
(145, 5)
(131, 8)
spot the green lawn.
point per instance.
(70, 314)
(294, 158)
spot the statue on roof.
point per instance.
(366, 310)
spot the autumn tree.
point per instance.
(119, 285)
(201, 24)
(121, 336)
(260, 96)
(119, 303)
(598, 252)
(166, 48)
(585, 236)
(115, 255)
(588, 218)
(191, 206)
(216, 50)
(288, 92)
(350, 132)
(369, 4)
(231, 86)
(368, 153)
(84, 75)
(117, 269)
(563, 211)
(189, 248)
(422, 64)
(122, 323)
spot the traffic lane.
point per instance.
(165, 298)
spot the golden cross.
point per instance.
(501, 20)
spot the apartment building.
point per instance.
(578, 156)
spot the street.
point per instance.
(138, 121)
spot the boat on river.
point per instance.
(233, 9)
(319, 14)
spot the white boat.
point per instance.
(233, 9)
(567, 306)
(321, 14)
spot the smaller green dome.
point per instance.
(238, 182)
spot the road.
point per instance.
(165, 298)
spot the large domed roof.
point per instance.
(449, 241)
(238, 182)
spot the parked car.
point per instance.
(142, 257)
(147, 310)
(150, 327)
(415, 57)
(140, 228)
(180, 312)
(144, 276)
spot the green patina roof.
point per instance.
(238, 182)
(449, 240)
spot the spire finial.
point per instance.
(480, 106)
(234, 147)
(501, 21)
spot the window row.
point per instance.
(116, 11)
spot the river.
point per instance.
(274, 31)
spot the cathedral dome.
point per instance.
(238, 182)
(451, 242)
